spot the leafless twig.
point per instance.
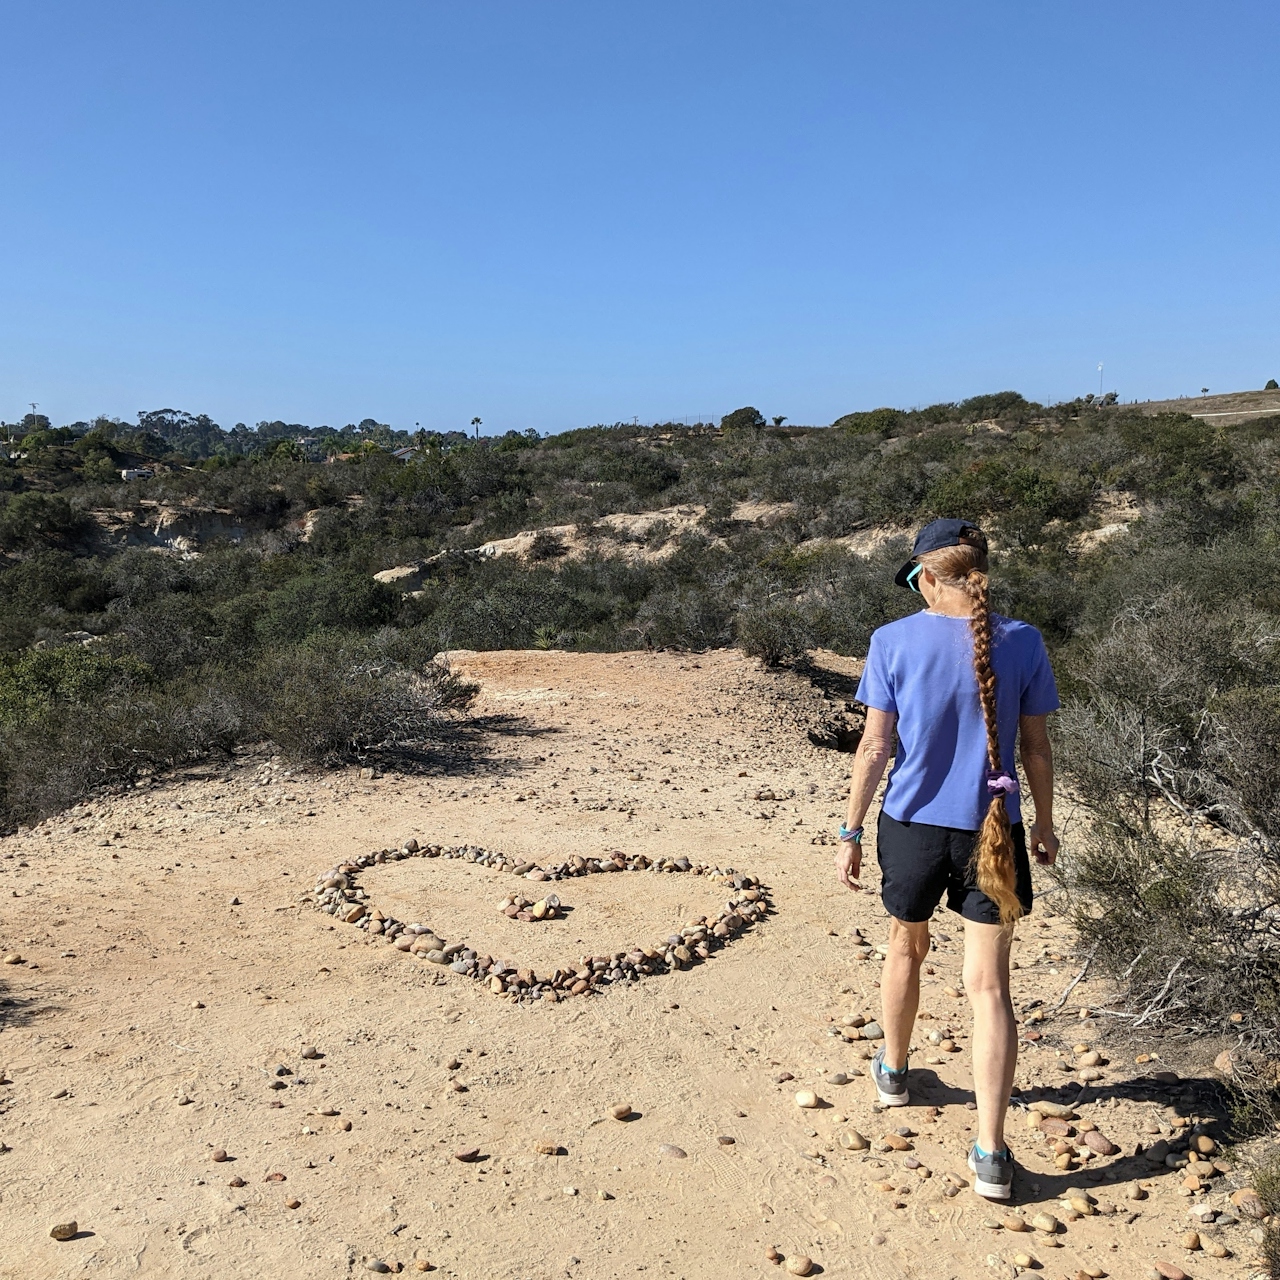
(1160, 995)
(1071, 986)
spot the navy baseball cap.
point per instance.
(938, 534)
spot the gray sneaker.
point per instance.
(890, 1085)
(993, 1173)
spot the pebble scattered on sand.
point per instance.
(798, 1265)
(219, 1156)
(64, 1230)
(622, 1111)
(670, 1149)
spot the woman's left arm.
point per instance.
(869, 761)
(1037, 764)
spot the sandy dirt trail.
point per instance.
(173, 960)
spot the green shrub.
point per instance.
(29, 521)
(742, 419)
(339, 600)
(775, 631)
(876, 421)
(36, 682)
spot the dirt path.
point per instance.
(174, 961)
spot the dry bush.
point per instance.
(336, 698)
(1175, 882)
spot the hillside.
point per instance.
(1230, 409)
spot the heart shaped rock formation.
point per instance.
(338, 893)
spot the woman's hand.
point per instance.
(1044, 845)
(849, 864)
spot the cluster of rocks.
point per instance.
(518, 907)
(338, 893)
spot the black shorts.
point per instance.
(918, 863)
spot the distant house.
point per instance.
(403, 455)
(136, 473)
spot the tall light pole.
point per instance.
(1099, 379)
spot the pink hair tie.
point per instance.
(1003, 785)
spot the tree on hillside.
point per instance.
(742, 418)
(1272, 385)
(778, 419)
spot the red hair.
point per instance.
(965, 567)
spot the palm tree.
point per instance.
(475, 422)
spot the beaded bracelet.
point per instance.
(855, 835)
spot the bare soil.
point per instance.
(172, 961)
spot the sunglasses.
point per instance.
(912, 576)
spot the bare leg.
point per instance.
(995, 1034)
(900, 987)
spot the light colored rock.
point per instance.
(621, 1112)
(807, 1099)
(798, 1265)
(1046, 1222)
(1058, 1110)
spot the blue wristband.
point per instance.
(855, 835)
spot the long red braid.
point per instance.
(965, 567)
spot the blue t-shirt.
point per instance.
(921, 668)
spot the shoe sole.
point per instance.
(990, 1190)
(893, 1099)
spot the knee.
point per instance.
(910, 941)
(988, 985)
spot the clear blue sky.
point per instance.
(556, 213)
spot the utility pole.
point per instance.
(1099, 379)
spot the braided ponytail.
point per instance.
(965, 567)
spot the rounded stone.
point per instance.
(806, 1099)
(622, 1111)
(798, 1265)
(64, 1230)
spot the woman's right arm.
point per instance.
(869, 762)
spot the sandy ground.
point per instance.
(173, 960)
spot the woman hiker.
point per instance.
(959, 684)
